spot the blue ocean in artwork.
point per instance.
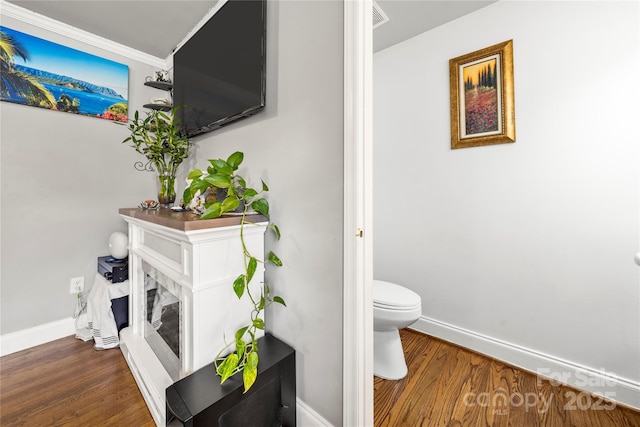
(92, 104)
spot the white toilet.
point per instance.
(394, 307)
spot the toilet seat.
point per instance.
(390, 296)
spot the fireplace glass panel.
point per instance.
(163, 320)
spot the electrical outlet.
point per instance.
(77, 285)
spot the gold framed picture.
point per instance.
(482, 100)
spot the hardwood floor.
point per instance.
(450, 386)
(68, 383)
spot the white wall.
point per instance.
(63, 179)
(531, 243)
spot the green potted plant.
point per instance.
(221, 175)
(159, 138)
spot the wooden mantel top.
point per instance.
(186, 221)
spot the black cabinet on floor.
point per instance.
(200, 399)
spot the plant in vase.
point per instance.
(159, 138)
(221, 175)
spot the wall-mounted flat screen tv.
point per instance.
(219, 73)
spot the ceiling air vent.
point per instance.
(379, 17)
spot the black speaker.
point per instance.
(112, 269)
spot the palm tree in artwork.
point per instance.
(14, 83)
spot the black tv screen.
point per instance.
(219, 73)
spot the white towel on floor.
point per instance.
(102, 322)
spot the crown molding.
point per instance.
(21, 14)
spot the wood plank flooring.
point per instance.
(451, 386)
(68, 383)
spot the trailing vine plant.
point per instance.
(221, 174)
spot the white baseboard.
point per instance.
(594, 381)
(307, 417)
(31, 337)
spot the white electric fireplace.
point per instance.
(181, 301)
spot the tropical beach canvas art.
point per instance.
(40, 73)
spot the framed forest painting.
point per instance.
(44, 74)
(481, 96)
